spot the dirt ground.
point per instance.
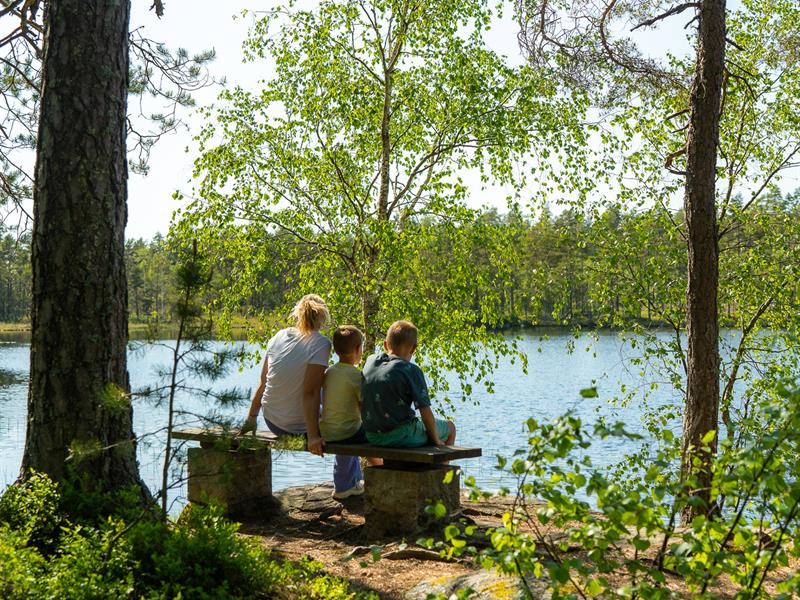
(306, 521)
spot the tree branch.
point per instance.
(672, 11)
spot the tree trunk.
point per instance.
(369, 312)
(78, 395)
(702, 326)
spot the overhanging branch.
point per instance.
(675, 10)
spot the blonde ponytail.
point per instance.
(310, 313)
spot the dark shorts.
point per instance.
(278, 431)
(359, 437)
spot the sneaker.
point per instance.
(356, 490)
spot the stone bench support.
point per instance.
(240, 480)
(237, 472)
(396, 494)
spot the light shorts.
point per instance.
(409, 435)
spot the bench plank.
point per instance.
(423, 454)
(266, 439)
(262, 439)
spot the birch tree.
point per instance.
(376, 113)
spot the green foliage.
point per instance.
(31, 509)
(342, 175)
(15, 270)
(151, 282)
(82, 501)
(624, 524)
(92, 563)
(23, 566)
(201, 556)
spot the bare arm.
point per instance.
(255, 404)
(426, 414)
(251, 423)
(312, 385)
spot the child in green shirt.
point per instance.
(392, 388)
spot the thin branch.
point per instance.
(672, 11)
(734, 44)
(671, 158)
(158, 6)
(785, 163)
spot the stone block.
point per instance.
(239, 480)
(395, 496)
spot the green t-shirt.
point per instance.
(341, 393)
(392, 388)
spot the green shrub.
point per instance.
(202, 556)
(84, 501)
(624, 522)
(21, 567)
(92, 564)
(31, 509)
(45, 555)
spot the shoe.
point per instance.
(356, 490)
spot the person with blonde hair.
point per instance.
(288, 394)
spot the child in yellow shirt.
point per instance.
(341, 410)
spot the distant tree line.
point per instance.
(15, 276)
(567, 269)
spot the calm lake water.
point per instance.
(495, 422)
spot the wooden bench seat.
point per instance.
(237, 472)
(266, 439)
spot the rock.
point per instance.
(310, 499)
(396, 497)
(486, 585)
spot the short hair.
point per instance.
(347, 339)
(310, 313)
(402, 334)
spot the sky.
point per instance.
(196, 25)
(199, 25)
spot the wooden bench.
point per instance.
(237, 472)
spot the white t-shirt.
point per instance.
(289, 352)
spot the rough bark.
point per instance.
(79, 311)
(702, 325)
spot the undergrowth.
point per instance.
(48, 551)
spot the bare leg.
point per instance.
(451, 436)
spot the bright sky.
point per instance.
(201, 24)
(196, 25)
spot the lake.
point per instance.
(495, 422)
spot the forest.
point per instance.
(572, 269)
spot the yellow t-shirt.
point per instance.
(341, 393)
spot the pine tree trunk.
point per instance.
(78, 377)
(702, 326)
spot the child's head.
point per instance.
(401, 339)
(348, 343)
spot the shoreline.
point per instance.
(137, 327)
